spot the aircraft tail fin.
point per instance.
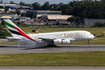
(15, 30)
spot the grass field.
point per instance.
(54, 59)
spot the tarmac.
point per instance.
(14, 49)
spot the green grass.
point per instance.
(8, 43)
(54, 59)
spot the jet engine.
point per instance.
(57, 41)
(65, 41)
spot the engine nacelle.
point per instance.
(57, 41)
(65, 41)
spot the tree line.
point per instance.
(94, 10)
(99, 24)
(83, 9)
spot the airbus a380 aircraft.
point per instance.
(64, 37)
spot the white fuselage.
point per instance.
(58, 37)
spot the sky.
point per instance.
(39, 1)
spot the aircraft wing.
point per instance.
(46, 39)
(13, 38)
(50, 39)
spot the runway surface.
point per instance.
(52, 68)
(62, 48)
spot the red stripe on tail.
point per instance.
(21, 32)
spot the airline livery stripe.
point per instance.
(9, 25)
(23, 34)
(14, 32)
(12, 29)
(20, 32)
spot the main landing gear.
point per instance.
(51, 45)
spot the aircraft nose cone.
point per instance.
(92, 36)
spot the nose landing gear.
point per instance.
(88, 42)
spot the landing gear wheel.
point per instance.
(51, 45)
(88, 42)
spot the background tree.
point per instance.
(60, 4)
(78, 21)
(22, 3)
(36, 6)
(74, 20)
(46, 6)
(11, 2)
(66, 9)
(99, 24)
(2, 23)
(54, 7)
(4, 34)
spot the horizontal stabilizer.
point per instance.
(13, 38)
